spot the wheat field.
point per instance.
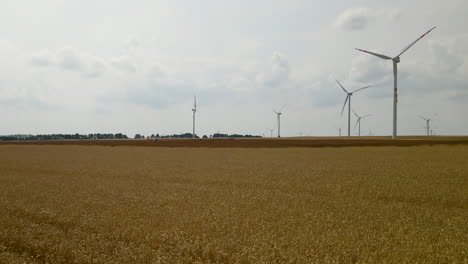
(124, 204)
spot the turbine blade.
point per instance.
(365, 116)
(341, 86)
(423, 117)
(355, 114)
(365, 87)
(347, 96)
(376, 54)
(357, 121)
(414, 42)
(282, 108)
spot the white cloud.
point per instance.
(356, 19)
(444, 60)
(366, 70)
(278, 74)
(124, 64)
(96, 67)
(42, 59)
(131, 44)
(353, 19)
(69, 59)
(394, 15)
(156, 73)
(280, 65)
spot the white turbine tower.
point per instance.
(428, 120)
(359, 121)
(348, 97)
(194, 109)
(278, 116)
(396, 60)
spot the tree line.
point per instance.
(77, 136)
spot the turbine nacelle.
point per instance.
(427, 119)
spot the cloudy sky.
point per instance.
(134, 66)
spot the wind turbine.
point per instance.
(271, 131)
(359, 121)
(194, 109)
(278, 116)
(428, 120)
(348, 97)
(396, 60)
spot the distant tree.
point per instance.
(204, 136)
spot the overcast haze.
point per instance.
(134, 66)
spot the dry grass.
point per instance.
(95, 204)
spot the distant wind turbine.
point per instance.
(194, 109)
(359, 121)
(428, 120)
(278, 116)
(396, 60)
(348, 97)
(271, 131)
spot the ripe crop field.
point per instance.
(130, 204)
(260, 142)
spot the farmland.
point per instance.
(74, 202)
(259, 143)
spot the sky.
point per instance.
(134, 66)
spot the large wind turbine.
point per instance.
(348, 97)
(396, 60)
(194, 109)
(427, 123)
(278, 116)
(359, 121)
